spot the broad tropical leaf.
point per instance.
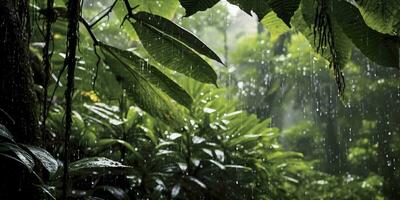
(47, 160)
(284, 9)
(274, 24)
(165, 8)
(97, 164)
(109, 142)
(177, 32)
(173, 54)
(193, 6)
(145, 95)
(153, 75)
(382, 16)
(20, 155)
(380, 48)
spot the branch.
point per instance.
(89, 30)
(106, 13)
(130, 13)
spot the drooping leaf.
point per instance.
(284, 9)
(196, 182)
(380, 48)
(153, 75)
(281, 155)
(238, 167)
(46, 191)
(110, 141)
(382, 16)
(173, 54)
(103, 112)
(259, 7)
(165, 8)
(47, 160)
(21, 155)
(177, 32)
(95, 164)
(274, 25)
(193, 6)
(5, 134)
(216, 163)
(145, 95)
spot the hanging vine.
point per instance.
(47, 54)
(324, 39)
(70, 62)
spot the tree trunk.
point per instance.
(17, 97)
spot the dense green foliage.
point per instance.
(151, 120)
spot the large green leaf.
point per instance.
(193, 6)
(173, 54)
(108, 142)
(153, 75)
(177, 32)
(284, 9)
(144, 94)
(380, 48)
(259, 7)
(165, 8)
(95, 164)
(20, 155)
(303, 21)
(47, 160)
(381, 15)
(274, 25)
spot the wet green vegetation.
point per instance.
(200, 99)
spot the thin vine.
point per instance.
(70, 62)
(47, 54)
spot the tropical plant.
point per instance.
(216, 155)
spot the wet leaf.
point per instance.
(5, 134)
(152, 74)
(109, 142)
(173, 54)
(284, 9)
(193, 6)
(177, 32)
(95, 165)
(47, 160)
(145, 95)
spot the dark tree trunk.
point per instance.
(17, 97)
